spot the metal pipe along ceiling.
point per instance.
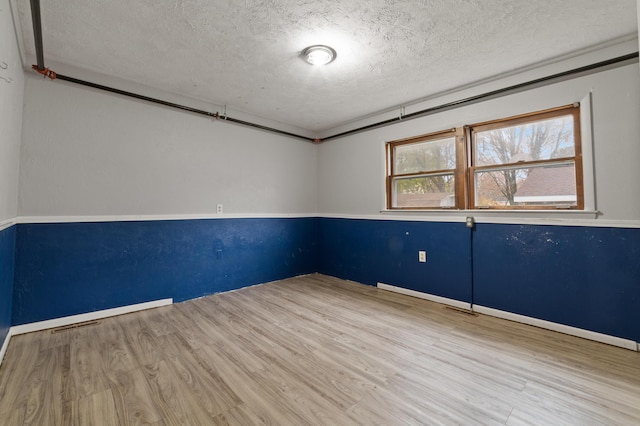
(37, 32)
(493, 94)
(178, 106)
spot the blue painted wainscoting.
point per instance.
(65, 269)
(7, 262)
(585, 277)
(386, 251)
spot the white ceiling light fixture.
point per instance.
(318, 54)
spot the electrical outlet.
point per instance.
(422, 256)
(219, 209)
(470, 222)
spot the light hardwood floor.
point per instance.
(314, 350)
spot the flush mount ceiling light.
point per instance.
(318, 54)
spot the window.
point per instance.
(531, 161)
(424, 172)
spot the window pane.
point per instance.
(425, 191)
(540, 140)
(527, 186)
(426, 156)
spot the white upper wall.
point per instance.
(11, 91)
(352, 169)
(87, 152)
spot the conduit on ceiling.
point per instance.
(40, 68)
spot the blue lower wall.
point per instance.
(7, 262)
(584, 277)
(372, 251)
(71, 268)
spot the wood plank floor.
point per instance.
(314, 350)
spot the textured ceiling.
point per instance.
(244, 54)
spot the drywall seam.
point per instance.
(90, 316)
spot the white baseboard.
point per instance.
(5, 345)
(561, 328)
(90, 316)
(431, 297)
